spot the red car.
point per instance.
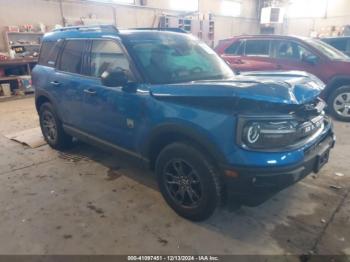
(272, 52)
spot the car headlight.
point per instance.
(267, 134)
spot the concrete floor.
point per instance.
(92, 202)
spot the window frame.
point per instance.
(269, 55)
(241, 45)
(59, 61)
(297, 43)
(87, 63)
(86, 56)
(59, 42)
(275, 43)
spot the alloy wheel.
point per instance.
(49, 126)
(183, 183)
(341, 104)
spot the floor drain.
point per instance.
(71, 157)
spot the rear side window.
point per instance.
(48, 53)
(257, 47)
(72, 56)
(235, 48)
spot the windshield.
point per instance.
(174, 58)
(327, 49)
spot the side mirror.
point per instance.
(310, 59)
(114, 78)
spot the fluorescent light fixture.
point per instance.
(230, 8)
(184, 5)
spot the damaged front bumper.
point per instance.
(252, 186)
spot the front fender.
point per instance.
(195, 135)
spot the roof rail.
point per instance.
(103, 28)
(170, 29)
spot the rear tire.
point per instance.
(188, 181)
(52, 129)
(339, 103)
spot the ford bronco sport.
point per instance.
(168, 99)
(273, 52)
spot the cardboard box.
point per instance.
(6, 89)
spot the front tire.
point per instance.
(52, 129)
(188, 181)
(339, 103)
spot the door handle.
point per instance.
(90, 91)
(55, 83)
(238, 62)
(279, 67)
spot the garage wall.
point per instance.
(18, 12)
(335, 13)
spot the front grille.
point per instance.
(312, 109)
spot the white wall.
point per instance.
(333, 13)
(19, 12)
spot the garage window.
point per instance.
(184, 5)
(257, 48)
(230, 8)
(117, 1)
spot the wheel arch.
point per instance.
(335, 83)
(41, 99)
(170, 133)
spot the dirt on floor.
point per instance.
(86, 201)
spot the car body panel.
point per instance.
(204, 112)
(325, 68)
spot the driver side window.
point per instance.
(290, 50)
(107, 55)
(303, 52)
(286, 50)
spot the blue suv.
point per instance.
(169, 100)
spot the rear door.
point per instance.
(68, 84)
(233, 54)
(251, 55)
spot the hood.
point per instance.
(292, 88)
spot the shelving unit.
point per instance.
(187, 25)
(25, 65)
(203, 28)
(30, 41)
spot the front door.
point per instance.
(289, 56)
(110, 113)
